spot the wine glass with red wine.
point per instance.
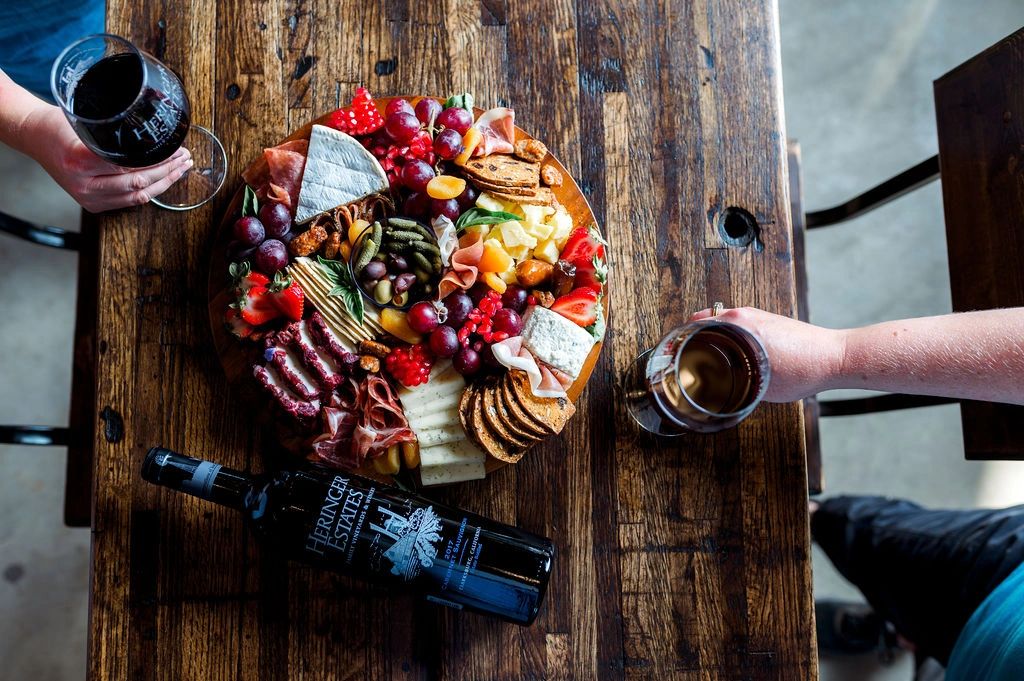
(131, 110)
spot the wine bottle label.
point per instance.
(201, 482)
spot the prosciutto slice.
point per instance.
(277, 176)
(498, 130)
(545, 381)
(463, 272)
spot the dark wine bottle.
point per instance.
(346, 523)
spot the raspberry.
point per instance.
(410, 364)
(360, 117)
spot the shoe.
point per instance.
(853, 629)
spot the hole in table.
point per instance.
(738, 227)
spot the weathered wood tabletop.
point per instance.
(680, 559)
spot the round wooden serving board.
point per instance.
(237, 357)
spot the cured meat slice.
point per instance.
(498, 131)
(277, 176)
(304, 411)
(463, 272)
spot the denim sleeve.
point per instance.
(33, 32)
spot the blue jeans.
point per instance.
(33, 32)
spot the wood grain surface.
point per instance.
(684, 559)
(979, 108)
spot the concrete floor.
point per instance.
(858, 94)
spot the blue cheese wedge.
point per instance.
(555, 340)
(339, 170)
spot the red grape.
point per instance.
(456, 118)
(508, 321)
(426, 109)
(444, 341)
(276, 218)
(466, 362)
(416, 205)
(249, 231)
(467, 199)
(416, 174)
(271, 256)
(488, 358)
(398, 105)
(446, 207)
(514, 298)
(448, 144)
(402, 127)
(478, 291)
(422, 317)
(459, 305)
(237, 251)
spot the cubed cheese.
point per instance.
(555, 340)
(547, 251)
(488, 202)
(339, 170)
(561, 221)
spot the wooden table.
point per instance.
(686, 559)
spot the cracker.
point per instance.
(542, 197)
(481, 434)
(517, 413)
(494, 420)
(504, 170)
(552, 412)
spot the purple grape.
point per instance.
(287, 237)
(459, 305)
(466, 361)
(271, 256)
(426, 109)
(478, 291)
(249, 231)
(399, 106)
(416, 205)
(416, 174)
(374, 270)
(488, 358)
(237, 251)
(444, 341)
(514, 298)
(276, 218)
(402, 127)
(456, 118)
(446, 207)
(508, 321)
(448, 144)
(467, 199)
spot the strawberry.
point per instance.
(582, 246)
(256, 306)
(287, 296)
(579, 306)
(244, 278)
(236, 326)
(592, 274)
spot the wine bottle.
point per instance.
(355, 526)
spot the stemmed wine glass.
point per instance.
(704, 376)
(131, 109)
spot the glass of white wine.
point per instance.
(704, 376)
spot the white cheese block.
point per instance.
(555, 340)
(458, 452)
(432, 420)
(439, 436)
(339, 170)
(457, 472)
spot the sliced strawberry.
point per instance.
(592, 274)
(579, 306)
(287, 296)
(244, 278)
(257, 307)
(582, 246)
(236, 326)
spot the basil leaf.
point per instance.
(338, 274)
(480, 216)
(463, 101)
(250, 206)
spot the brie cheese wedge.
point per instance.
(339, 170)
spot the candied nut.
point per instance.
(369, 363)
(369, 347)
(532, 272)
(531, 150)
(544, 298)
(332, 246)
(307, 242)
(550, 176)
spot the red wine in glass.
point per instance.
(131, 110)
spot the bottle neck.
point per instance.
(203, 479)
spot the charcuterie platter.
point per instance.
(414, 287)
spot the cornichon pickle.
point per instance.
(377, 233)
(420, 261)
(422, 276)
(402, 222)
(426, 248)
(369, 250)
(399, 235)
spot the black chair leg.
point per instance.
(893, 188)
(53, 237)
(35, 435)
(870, 405)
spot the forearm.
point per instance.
(972, 355)
(20, 114)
